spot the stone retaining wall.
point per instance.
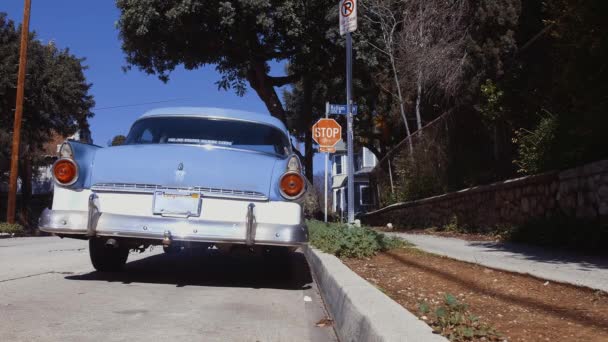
(581, 192)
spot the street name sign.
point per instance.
(326, 133)
(327, 149)
(339, 109)
(348, 16)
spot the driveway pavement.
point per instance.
(49, 292)
(552, 265)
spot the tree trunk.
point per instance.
(263, 86)
(307, 115)
(401, 106)
(418, 99)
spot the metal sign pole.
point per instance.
(326, 163)
(349, 131)
(325, 193)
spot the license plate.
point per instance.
(177, 203)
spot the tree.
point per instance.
(386, 16)
(373, 126)
(431, 51)
(57, 99)
(561, 65)
(240, 38)
(118, 140)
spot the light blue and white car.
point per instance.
(184, 177)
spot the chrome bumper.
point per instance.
(95, 223)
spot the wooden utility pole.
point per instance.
(12, 190)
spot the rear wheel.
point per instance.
(172, 249)
(107, 258)
(278, 254)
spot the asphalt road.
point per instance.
(50, 292)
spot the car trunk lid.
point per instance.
(215, 169)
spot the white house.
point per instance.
(364, 161)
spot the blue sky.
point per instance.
(88, 29)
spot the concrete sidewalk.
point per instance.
(546, 264)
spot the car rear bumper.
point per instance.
(249, 230)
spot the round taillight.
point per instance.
(292, 185)
(65, 171)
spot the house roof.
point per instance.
(364, 170)
(223, 113)
(338, 181)
(340, 146)
(50, 147)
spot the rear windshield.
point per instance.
(207, 131)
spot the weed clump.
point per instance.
(350, 242)
(12, 229)
(453, 320)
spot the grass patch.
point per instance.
(342, 241)
(13, 229)
(453, 320)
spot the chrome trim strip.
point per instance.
(250, 238)
(93, 215)
(205, 191)
(153, 228)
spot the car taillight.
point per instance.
(65, 171)
(292, 185)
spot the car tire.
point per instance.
(278, 252)
(107, 258)
(172, 249)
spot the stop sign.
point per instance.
(327, 132)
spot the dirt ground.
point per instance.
(519, 307)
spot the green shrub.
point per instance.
(342, 241)
(534, 147)
(8, 228)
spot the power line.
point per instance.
(140, 104)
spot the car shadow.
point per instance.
(195, 267)
(546, 255)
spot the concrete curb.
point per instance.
(360, 311)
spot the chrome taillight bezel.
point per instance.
(73, 181)
(302, 192)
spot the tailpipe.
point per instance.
(167, 239)
(111, 243)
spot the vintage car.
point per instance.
(184, 177)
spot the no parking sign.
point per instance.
(348, 16)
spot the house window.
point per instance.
(338, 162)
(358, 162)
(364, 195)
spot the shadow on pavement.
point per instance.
(546, 255)
(195, 267)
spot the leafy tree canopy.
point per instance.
(57, 95)
(118, 140)
(239, 37)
